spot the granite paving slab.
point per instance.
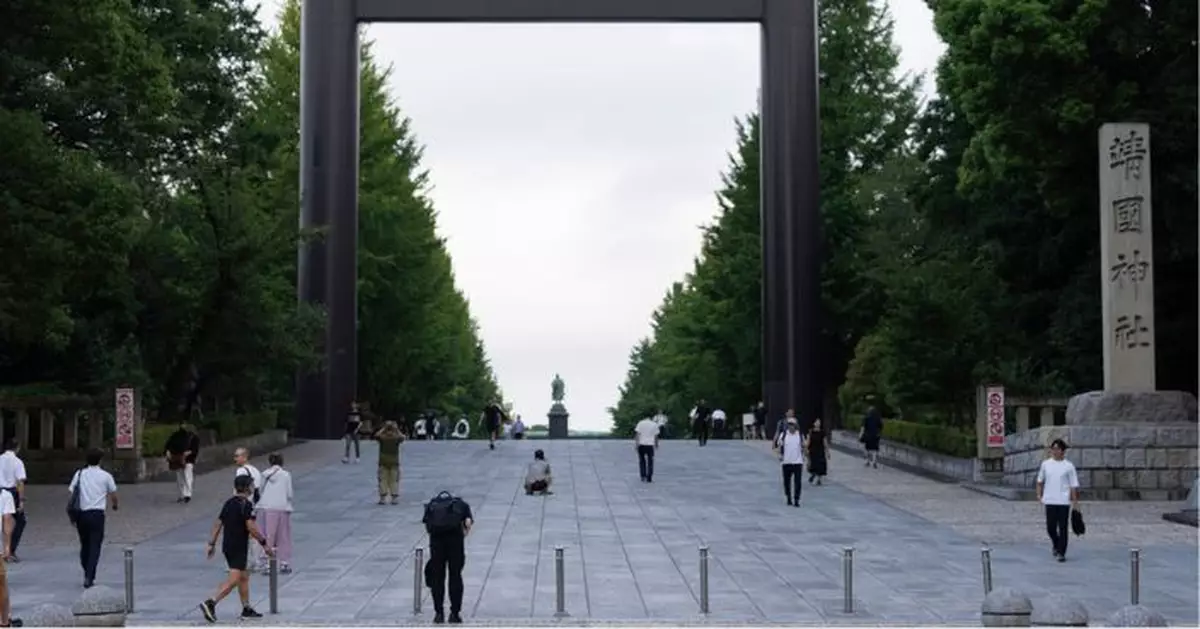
(630, 549)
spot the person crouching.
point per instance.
(537, 475)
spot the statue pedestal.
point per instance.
(558, 421)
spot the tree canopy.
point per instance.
(961, 237)
(149, 210)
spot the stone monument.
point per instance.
(558, 413)
(1129, 440)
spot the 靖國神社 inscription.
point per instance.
(1127, 255)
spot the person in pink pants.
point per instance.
(274, 510)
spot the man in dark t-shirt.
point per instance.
(236, 521)
(493, 417)
(447, 557)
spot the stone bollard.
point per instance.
(49, 615)
(100, 606)
(1005, 607)
(1136, 616)
(1056, 610)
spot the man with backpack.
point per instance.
(448, 520)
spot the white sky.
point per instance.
(572, 166)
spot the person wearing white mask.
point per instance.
(791, 459)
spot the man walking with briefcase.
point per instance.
(447, 519)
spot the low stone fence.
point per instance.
(217, 455)
(1146, 462)
(900, 455)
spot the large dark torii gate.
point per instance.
(329, 154)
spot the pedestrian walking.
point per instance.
(389, 438)
(869, 436)
(353, 422)
(493, 418)
(760, 420)
(235, 527)
(182, 448)
(791, 458)
(701, 418)
(92, 490)
(275, 507)
(645, 442)
(1058, 491)
(718, 424)
(12, 482)
(8, 512)
(816, 443)
(241, 459)
(448, 521)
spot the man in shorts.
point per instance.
(237, 522)
(8, 512)
(493, 418)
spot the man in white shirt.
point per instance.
(12, 481)
(1058, 490)
(97, 489)
(718, 419)
(645, 441)
(8, 511)
(241, 458)
(791, 457)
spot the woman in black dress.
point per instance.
(817, 444)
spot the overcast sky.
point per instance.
(572, 166)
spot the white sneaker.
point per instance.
(345, 460)
(356, 460)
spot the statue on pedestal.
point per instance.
(557, 389)
(558, 412)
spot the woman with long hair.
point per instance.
(816, 442)
(389, 437)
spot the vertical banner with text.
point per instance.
(126, 418)
(995, 417)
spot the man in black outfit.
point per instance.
(237, 522)
(448, 520)
(182, 447)
(493, 417)
(700, 424)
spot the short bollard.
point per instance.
(704, 579)
(985, 557)
(418, 563)
(848, 579)
(129, 579)
(273, 580)
(1135, 576)
(560, 584)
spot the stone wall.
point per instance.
(217, 455)
(903, 455)
(1154, 460)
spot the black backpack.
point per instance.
(445, 514)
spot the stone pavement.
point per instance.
(631, 548)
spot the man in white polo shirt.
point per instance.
(646, 442)
(96, 489)
(8, 509)
(1058, 490)
(12, 482)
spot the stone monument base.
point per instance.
(558, 421)
(1126, 446)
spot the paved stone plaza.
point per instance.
(631, 548)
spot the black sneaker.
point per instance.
(789, 501)
(187, 500)
(438, 618)
(1062, 558)
(491, 446)
(248, 612)
(455, 619)
(209, 609)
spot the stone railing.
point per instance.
(1021, 414)
(55, 433)
(911, 457)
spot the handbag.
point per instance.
(1077, 525)
(73, 501)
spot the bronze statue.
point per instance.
(557, 389)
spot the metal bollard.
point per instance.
(704, 579)
(129, 579)
(1135, 576)
(985, 556)
(560, 584)
(418, 563)
(273, 580)
(848, 579)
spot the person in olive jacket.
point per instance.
(182, 448)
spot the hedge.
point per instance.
(932, 437)
(227, 426)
